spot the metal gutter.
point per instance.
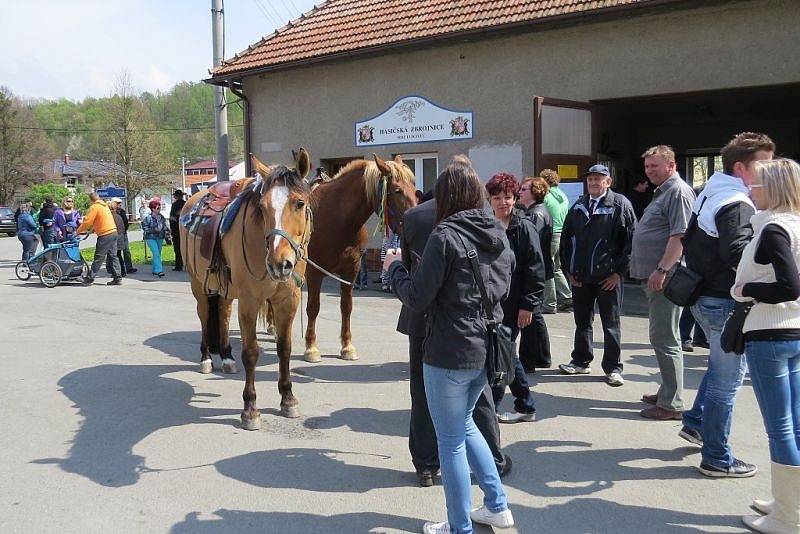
(239, 91)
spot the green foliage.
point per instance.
(138, 254)
(40, 192)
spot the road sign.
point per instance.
(111, 191)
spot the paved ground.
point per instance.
(108, 427)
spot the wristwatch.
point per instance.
(661, 270)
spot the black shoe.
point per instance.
(161, 274)
(506, 467)
(88, 280)
(687, 346)
(425, 478)
(703, 344)
(131, 271)
(739, 469)
(692, 436)
(178, 269)
(115, 282)
(565, 306)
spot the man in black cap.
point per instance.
(595, 252)
(174, 215)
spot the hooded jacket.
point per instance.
(443, 286)
(527, 280)
(713, 249)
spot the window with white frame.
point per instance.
(425, 168)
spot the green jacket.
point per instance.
(558, 205)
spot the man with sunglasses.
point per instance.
(723, 211)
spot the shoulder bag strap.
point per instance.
(472, 255)
(691, 228)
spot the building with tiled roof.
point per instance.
(521, 85)
(86, 173)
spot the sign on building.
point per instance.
(414, 119)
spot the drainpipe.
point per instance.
(248, 164)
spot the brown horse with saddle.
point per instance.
(246, 240)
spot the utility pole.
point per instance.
(183, 175)
(220, 107)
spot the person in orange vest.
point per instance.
(100, 219)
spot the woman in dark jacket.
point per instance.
(443, 286)
(527, 286)
(26, 231)
(534, 346)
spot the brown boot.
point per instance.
(650, 399)
(661, 414)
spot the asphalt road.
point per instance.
(106, 426)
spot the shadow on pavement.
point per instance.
(581, 516)
(364, 420)
(574, 468)
(356, 373)
(312, 470)
(242, 521)
(121, 405)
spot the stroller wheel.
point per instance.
(23, 271)
(50, 274)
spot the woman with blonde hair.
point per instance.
(767, 276)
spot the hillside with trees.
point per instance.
(145, 133)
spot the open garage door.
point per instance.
(563, 140)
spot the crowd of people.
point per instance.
(741, 238)
(109, 220)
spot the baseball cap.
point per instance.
(117, 200)
(599, 168)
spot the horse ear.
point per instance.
(382, 165)
(302, 161)
(398, 159)
(260, 168)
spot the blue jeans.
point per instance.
(775, 372)
(712, 412)
(452, 394)
(155, 248)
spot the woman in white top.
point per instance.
(767, 275)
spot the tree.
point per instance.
(24, 152)
(57, 193)
(139, 153)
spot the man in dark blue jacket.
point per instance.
(595, 252)
(418, 222)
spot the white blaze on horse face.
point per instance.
(280, 195)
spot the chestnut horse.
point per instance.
(341, 207)
(262, 252)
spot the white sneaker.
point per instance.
(436, 528)
(516, 417)
(483, 516)
(614, 379)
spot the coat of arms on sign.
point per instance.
(365, 134)
(407, 110)
(459, 126)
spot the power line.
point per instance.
(105, 130)
(291, 12)
(263, 10)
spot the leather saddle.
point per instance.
(204, 220)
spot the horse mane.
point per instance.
(372, 175)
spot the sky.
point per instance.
(77, 48)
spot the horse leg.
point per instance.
(248, 313)
(284, 317)
(348, 351)
(314, 283)
(270, 320)
(346, 305)
(206, 365)
(228, 363)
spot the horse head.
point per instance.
(287, 220)
(398, 191)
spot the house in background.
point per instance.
(86, 174)
(202, 174)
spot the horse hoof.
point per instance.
(271, 330)
(251, 423)
(229, 367)
(206, 366)
(349, 353)
(292, 412)
(312, 355)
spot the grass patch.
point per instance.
(137, 254)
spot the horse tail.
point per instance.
(212, 327)
(265, 315)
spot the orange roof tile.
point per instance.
(352, 26)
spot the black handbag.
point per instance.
(501, 348)
(732, 338)
(683, 288)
